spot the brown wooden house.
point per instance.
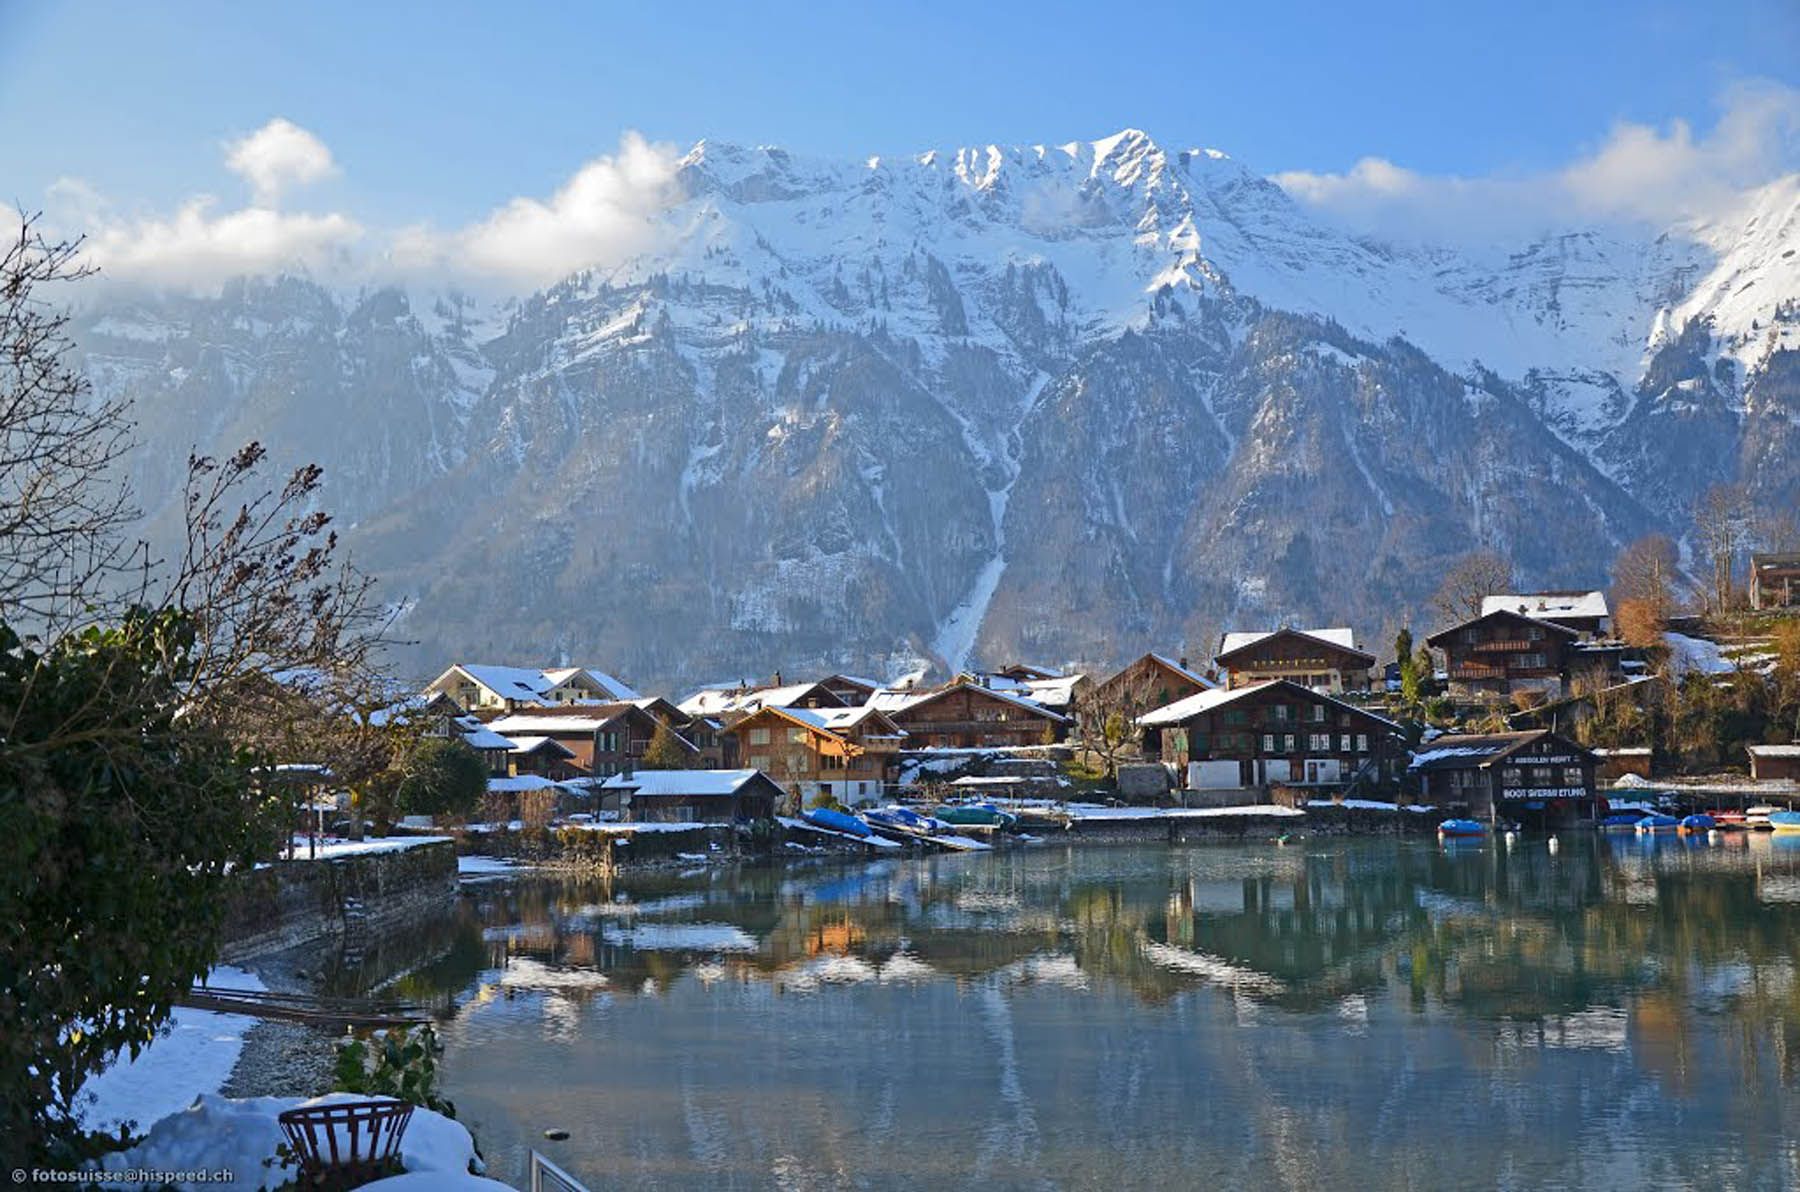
(1153, 681)
(691, 796)
(1584, 611)
(1774, 581)
(1277, 732)
(1775, 762)
(849, 754)
(605, 739)
(968, 715)
(1324, 659)
(1501, 653)
(1535, 776)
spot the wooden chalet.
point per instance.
(850, 690)
(1152, 681)
(1273, 733)
(847, 753)
(545, 757)
(1501, 653)
(494, 689)
(1774, 581)
(690, 796)
(1323, 659)
(1538, 777)
(731, 704)
(604, 739)
(968, 715)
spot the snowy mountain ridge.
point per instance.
(1057, 401)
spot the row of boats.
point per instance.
(895, 820)
(1760, 818)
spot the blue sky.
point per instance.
(441, 112)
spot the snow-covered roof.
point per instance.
(918, 700)
(1342, 636)
(480, 736)
(1183, 710)
(714, 701)
(1055, 692)
(1485, 748)
(1775, 750)
(508, 682)
(681, 782)
(532, 744)
(613, 688)
(1186, 672)
(520, 782)
(1547, 605)
(573, 722)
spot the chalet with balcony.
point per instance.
(1774, 581)
(1501, 653)
(1323, 659)
(1538, 776)
(1585, 612)
(968, 715)
(849, 754)
(604, 739)
(1276, 732)
(731, 704)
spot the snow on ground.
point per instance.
(332, 847)
(1087, 811)
(195, 1055)
(474, 866)
(808, 826)
(1696, 653)
(1375, 805)
(241, 1135)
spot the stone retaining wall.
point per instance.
(357, 897)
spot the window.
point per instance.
(1362, 742)
(1344, 743)
(831, 761)
(1236, 716)
(760, 762)
(1318, 713)
(1543, 776)
(1512, 777)
(759, 736)
(1282, 712)
(1268, 743)
(796, 736)
(1534, 633)
(1529, 662)
(1572, 776)
(1320, 743)
(1199, 743)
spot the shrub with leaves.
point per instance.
(400, 1062)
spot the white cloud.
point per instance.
(1639, 173)
(276, 156)
(605, 212)
(199, 247)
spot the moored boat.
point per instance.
(836, 821)
(904, 819)
(1728, 819)
(1624, 821)
(1758, 816)
(1785, 821)
(984, 815)
(1658, 823)
(1462, 828)
(1697, 823)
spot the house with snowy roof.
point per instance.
(1585, 612)
(1325, 659)
(1151, 681)
(970, 714)
(846, 753)
(479, 687)
(690, 796)
(1775, 762)
(1538, 776)
(604, 739)
(733, 702)
(1273, 733)
(1503, 653)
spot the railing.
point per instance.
(546, 1176)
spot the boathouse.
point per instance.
(1535, 777)
(1775, 762)
(690, 796)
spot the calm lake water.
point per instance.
(1355, 1013)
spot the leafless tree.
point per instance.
(1106, 715)
(1722, 526)
(1643, 589)
(63, 509)
(1474, 577)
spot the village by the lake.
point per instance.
(1003, 596)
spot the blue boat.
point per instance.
(1658, 823)
(1698, 823)
(904, 819)
(1624, 821)
(1785, 821)
(1462, 828)
(836, 821)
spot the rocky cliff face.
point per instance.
(1062, 403)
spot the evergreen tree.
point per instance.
(665, 752)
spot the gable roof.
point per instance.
(919, 700)
(1340, 638)
(1548, 604)
(569, 718)
(714, 701)
(1455, 751)
(1170, 664)
(1183, 710)
(532, 685)
(1502, 613)
(477, 735)
(835, 722)
(611, 688)
(539, 744)
(683, 782)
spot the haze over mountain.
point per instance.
(1059, 402)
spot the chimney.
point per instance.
(1183, 660)
(777, 678)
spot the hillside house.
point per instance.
(731, 704)
(493, 689)
(1501, 653)
(1152, 681)
(1584, 612)
(1774, 581)
(1276, 732)
(690, 796)
(850, 690)
(1323, 659)
(1535, 776)
(1056, 692)
(846, 753)
(543, 756)
(967, 715)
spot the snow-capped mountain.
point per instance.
(1058, 402)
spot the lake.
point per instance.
(1333, 1013)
